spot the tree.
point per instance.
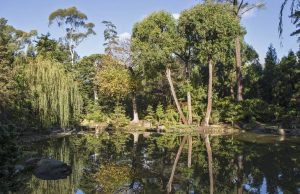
(153, 45)
(85, 72)
(253, 73)
(54, 93)
(110, 37)
(239, 9)
(51, 49)
(286, 88)
(75, 26)
(269, 75)
(213, 28)
(113, 79)
(188, 55)
(12, 45)
(122, 52)
(120, 49)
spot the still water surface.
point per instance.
(115, 163)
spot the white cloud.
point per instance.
(125, 35)
(176, 15)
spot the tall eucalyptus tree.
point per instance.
(74, 25)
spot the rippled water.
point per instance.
(120, 163)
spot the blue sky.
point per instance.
(33, 14)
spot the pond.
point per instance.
(158, 163)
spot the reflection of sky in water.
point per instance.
(262, 190)
(78, 191)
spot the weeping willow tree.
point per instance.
(54, 93)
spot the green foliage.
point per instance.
(110, 36)
(269, 75)
(113, 79)
(73, 22)
(54, 93)
(199, 103)
(37, 79)
(85, 73)
(9, 154)
(171, 116)
(256, 109)
(150, 115)
(230, 111)
(51, 49)
(153, 42)
(118, 118)
(12, 93)
(94, 113)
(212, 28)
(160, 113)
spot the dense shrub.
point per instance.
(118, 118)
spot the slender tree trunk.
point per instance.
(96, 98)
(72, 55)
(135, 111)
(190, 111)
(189, 97)
(209, 94)
(182, 117)
(210, 169)
(239, 76)
(169, 185)
(190, 151)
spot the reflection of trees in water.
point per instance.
(189, 140)
(69, 150)
(277, 164)
(206, 164)
(210, 168)
(169, 185)
(235, 167)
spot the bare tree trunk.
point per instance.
(209, 94)
(72, 55)
(239, 75)
(169, 185)
(182, 117)
(135, 111)
(190, 111)
(189, 97)
(190, 151)
(209, 156)
(95, 96)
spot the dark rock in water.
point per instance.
(32, 162)
(50, 169)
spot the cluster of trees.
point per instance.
(193, 70)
